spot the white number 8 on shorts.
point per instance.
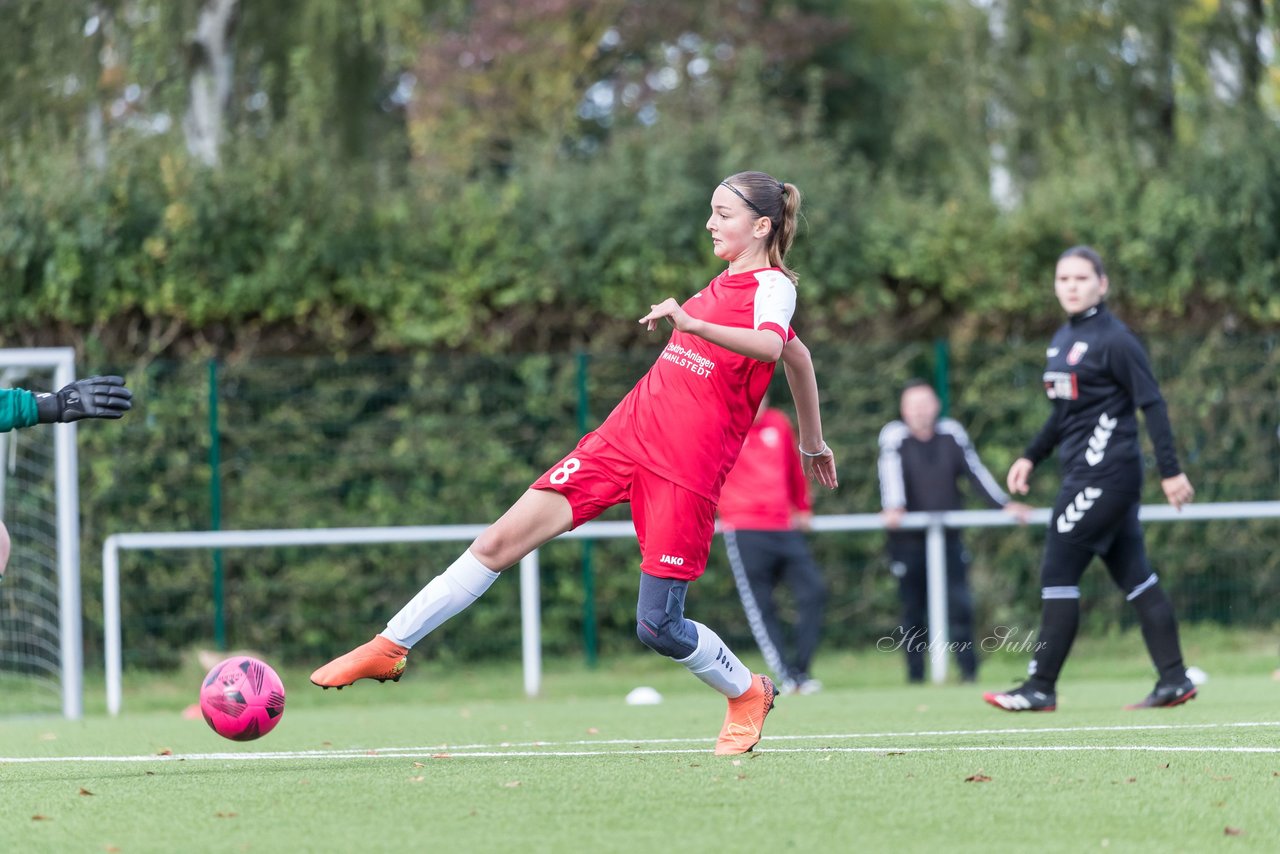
(561, 474)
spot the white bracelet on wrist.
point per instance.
(821, 452)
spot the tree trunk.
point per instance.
(1165, 89)
(1003, 179)
(211, 59)
(1252, 65)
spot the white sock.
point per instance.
(445, 595)
(714, 663)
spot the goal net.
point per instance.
(40, 631)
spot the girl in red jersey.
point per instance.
(666, 449)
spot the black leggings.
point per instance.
(761, 560)
(910, 565)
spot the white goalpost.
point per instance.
(530, 606)
(40, 618)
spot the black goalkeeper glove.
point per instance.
(95, 397)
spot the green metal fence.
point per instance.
(421, 439)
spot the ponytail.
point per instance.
(769, 197)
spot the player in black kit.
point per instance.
(1097, 377)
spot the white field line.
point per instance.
(643, 747)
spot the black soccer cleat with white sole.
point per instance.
(1166, 696)
(1022, 699)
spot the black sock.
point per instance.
(1160, 631)
(1059, 620)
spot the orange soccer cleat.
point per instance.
(380, 658)
(745, 718)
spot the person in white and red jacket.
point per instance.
(765, 510)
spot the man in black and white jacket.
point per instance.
(923, 460)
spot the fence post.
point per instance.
(936, 576)
(215, 508)
(531, 624)
(942, 374)
(589, 640)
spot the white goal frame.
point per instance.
(62, 361)
(934, 524)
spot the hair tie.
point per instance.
(782, 188)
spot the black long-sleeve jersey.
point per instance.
(926, 475)
(1097, 376)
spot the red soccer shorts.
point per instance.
(673, 525)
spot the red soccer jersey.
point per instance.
(767, 484)
(686, 418)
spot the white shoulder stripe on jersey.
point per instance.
(775, 300)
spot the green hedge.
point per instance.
(288, 250)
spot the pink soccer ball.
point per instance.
(242, 698)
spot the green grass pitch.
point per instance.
(464, 762)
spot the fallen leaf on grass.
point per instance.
(85, 792)
(514, 784)
(896, 753)
(417, 779)
(164, 751)
(442, 756)
(1232, 831)
(224, 815)
(38, 817)
(977, 778)
(419, 765)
